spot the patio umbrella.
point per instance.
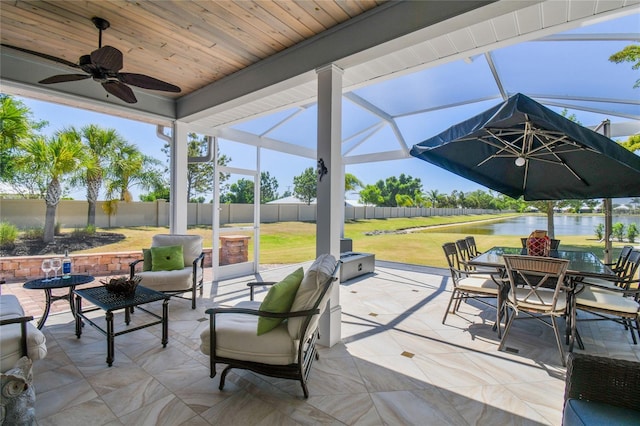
(522, 148)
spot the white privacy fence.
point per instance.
(73, 214)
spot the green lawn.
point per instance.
(292, 242)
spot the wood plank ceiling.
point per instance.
(187, 43)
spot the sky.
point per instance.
(282, 166)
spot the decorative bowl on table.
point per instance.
(124, 286)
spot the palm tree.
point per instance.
(55, 157)
(130, 168)
(351, 183)
(101, 144)
(433, 195)
(16, 125)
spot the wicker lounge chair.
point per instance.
(601, 391)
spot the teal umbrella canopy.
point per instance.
(522, 148)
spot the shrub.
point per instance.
(632, 232)
(618, 231)
(84, 232)
(8, 233)
(34, 233)
(599, 230)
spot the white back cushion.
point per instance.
(309, 291)
(191, 245)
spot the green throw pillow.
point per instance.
(146, 263)
(279, 299)
(167, 258)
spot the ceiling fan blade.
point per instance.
(120, 90)
(43, 55)
(146, 82)
(63, 78)
(108, 58)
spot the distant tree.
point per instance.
(240, 192)
(630, 53)
(371, 195)
(632, 144)
(351, 183)
(160, 191)
(199, 175)
(268, 187)
(548, 207)
(403, 200)
(432, 195)
(575, 205)
(305, 186)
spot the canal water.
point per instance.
(564, 225)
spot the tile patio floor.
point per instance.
(397, 364)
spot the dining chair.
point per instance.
(555, 244)
(471, 285)
(617, 302)
(473, 248)
(621, 262)
(528, 294)
(463, 250)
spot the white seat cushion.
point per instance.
(602, 283)
(168, 280)
(607, 300)
(533, 300)
(10, 335)
(236, 338)
(478, 284)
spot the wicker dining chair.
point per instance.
(529, 295)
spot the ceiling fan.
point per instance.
(103, 65)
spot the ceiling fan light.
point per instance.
(520, 161)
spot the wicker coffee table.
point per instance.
(110, 302)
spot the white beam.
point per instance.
(330, 201)
(179, 201)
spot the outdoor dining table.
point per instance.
(581, 264)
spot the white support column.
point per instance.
(330, 202)
(179, 154)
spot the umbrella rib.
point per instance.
(560, 160)
(505, 146)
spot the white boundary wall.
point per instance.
(27, 214)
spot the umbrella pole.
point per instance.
(608, 207)
(608, 225)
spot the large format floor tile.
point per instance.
(397, 364)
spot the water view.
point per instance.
(523, 225)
